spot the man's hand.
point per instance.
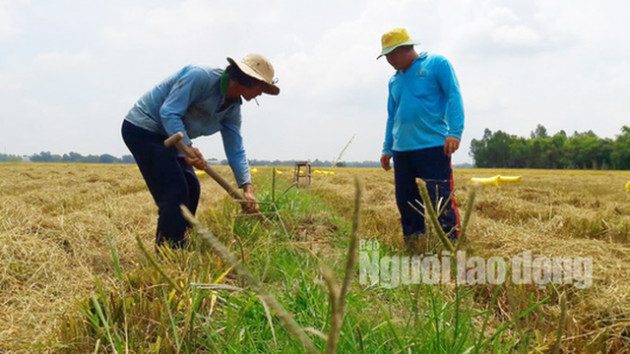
(248, 194)
(385, 162)
(451, 144)
(197, 160)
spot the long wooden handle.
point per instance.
(176, 141)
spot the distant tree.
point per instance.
(620, 155)
(588, 151)
(107, 158)
(479, 149)
(364, 164)
(520, 154)
(9, 158)
(540, 132)
(493, 150)
(557, 154)
(535, 153)
(91, 159)
(72, 157)
(127, 159)
(45, 156)
(581, 150)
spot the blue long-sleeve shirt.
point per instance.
(189, 102)
(424, 106)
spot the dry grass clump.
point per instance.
(538, 214)
(176, 303)
(132, 308)
(551, 213)
(573, 204)
(55, 223)
(379, 214)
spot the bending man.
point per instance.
(196, 101)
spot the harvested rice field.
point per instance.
(78, 271)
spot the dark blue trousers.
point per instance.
(434, 167)
(170, 179)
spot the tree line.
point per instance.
(75, 157)
(10, 158)
(559, 151)
(314, 163)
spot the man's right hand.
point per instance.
(248, 194)
(197, 160)
(385, 159)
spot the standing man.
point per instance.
(196, 101)
(425, 120)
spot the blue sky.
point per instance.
(70, 70)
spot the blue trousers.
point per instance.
(434, 167)
(170, 179)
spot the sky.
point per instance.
(71, 70)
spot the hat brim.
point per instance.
(268, 88)
(391, 49)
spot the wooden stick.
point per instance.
(176, 141)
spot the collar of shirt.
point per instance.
(224, 83)
(420, 58)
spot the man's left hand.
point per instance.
(451, 144)
(248, 194)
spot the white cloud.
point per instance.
(189, 24)
(61, 60)
(8, 27)
(518, 36)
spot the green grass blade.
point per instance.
(171, 320)
(104, 321)
(507, 325)
(488, 312)
(115, 258)
(391, 328)
(157, 266)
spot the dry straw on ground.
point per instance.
(551, 213)
(55, 222)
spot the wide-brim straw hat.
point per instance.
(395, 38)
(258, 67)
